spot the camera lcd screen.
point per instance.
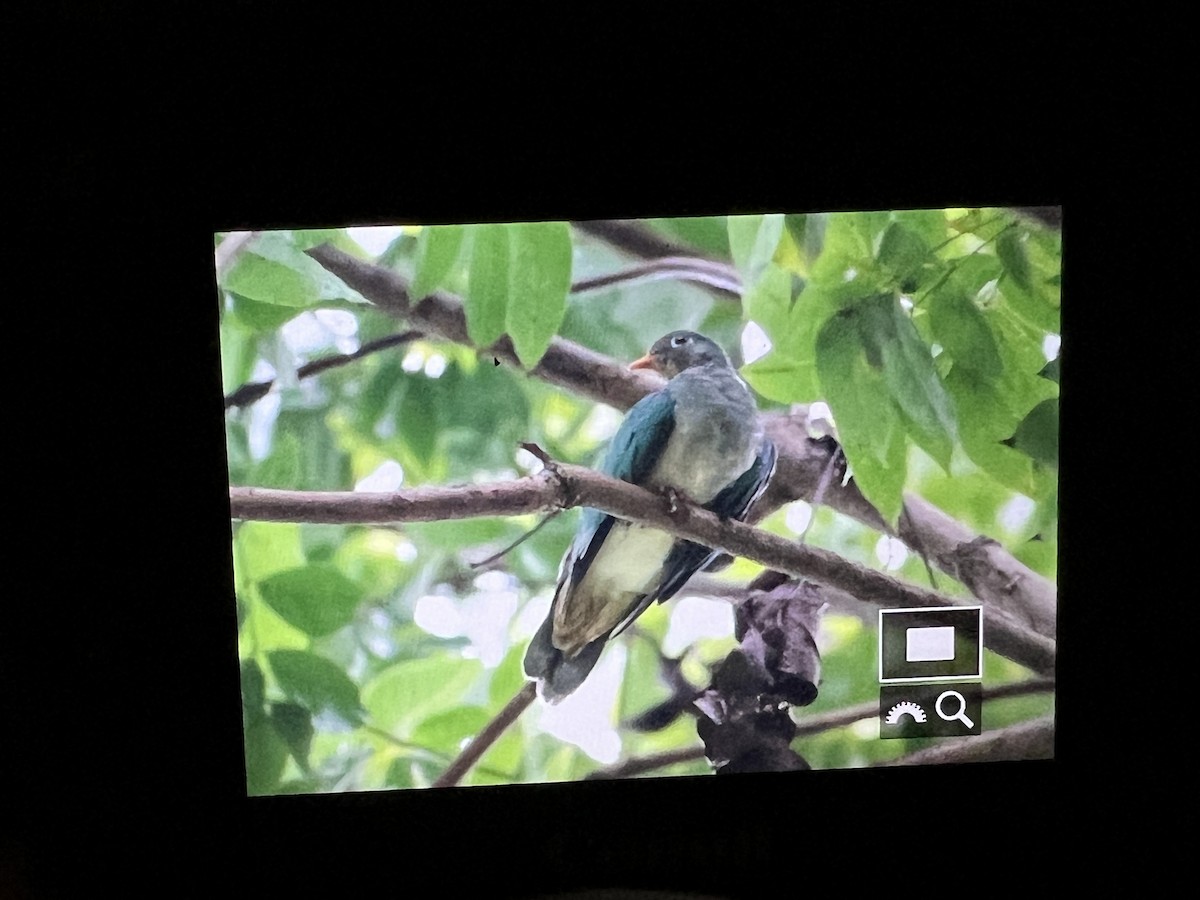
(544, 502)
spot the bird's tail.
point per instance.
(558, 674)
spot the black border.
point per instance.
(144, 783)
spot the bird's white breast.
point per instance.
(630, 562)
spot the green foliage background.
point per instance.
(925, 331)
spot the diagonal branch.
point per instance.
(256, 390)
(1018, 591)
(488, 736)
(564, 486)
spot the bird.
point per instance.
(698, 438)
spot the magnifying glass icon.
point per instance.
(962, 708)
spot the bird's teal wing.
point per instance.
(632, 454)
(641, 439)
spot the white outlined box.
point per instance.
(946, 645)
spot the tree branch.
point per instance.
(1019, 592)
(488, 736)
(807, 726)
(1025, 740)
(723, 279)
(634, 238)
(564, 486)
(250, 392)
(1050, 216)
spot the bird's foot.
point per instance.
(675, 498)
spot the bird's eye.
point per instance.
(679, 340)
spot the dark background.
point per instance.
(145, 136)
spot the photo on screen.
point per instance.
(532, 502)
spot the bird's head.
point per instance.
(680, 350)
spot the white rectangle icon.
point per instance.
(929, 644)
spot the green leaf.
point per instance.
(888, 334)
(752, 242)
(1037, 435)
(260, 318)
(787, 373)
(984, 422)
(1051, 370)
(317, 599)
(437, 250)
(324, 465)
(807, 232)
(1031, 305)
(768, 301)
(870, 427)
(266, 753)
(294, 725)
(1012, 253)
(265, 281)
(282, 469)
(263, 548)
(417, 416)
(272, 269)
(928, 224)
(486, 302)
(962, 330)
(903, 253)
(410, 692)
(444, 731)
(316, 683)
(642, 685)
(849, 243)
(538, 281)
(253, 689)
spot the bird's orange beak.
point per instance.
(646, 362)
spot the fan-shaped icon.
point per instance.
(904, 708)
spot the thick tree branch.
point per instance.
(564, 486)
(1050, 216)
(635, 238)
(1018, 592)
(987, 569)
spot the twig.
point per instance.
(491, 731)
(250, 392)
(517, 543)
(722, 278)
(437, 755)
